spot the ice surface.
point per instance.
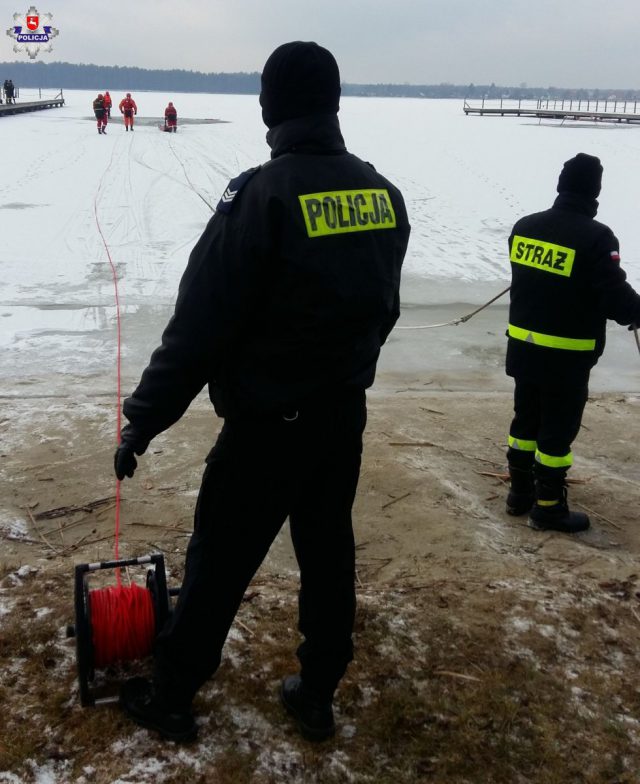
(465, 181)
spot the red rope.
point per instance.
(118, 358)
(123, 623)
(122, 617)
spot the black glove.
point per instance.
(633, 326)
(124, 461)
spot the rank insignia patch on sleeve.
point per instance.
(233, 189)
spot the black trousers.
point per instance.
(260, 472)
(550, 415)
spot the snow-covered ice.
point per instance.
(465, 181)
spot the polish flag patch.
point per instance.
(615, 256)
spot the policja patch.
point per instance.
(337, 212)
(233, 189)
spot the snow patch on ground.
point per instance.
(13, 527)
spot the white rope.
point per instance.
(463, 319)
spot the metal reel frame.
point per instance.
(156, 583)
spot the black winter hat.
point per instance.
(298, 79)
(582, 174)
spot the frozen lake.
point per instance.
(465, 180)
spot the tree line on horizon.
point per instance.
(59, 75)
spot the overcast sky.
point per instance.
(562, 43)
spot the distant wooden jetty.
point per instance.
(32, 106)
(559, 109)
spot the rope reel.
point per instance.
(118, 623)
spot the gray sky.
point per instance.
(563, 43)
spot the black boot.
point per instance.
(551, 512)
(313, 716)
(142, 702)
(521, 493)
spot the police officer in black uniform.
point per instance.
(566, 282)
(285, 303)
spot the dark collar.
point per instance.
(317, 134)
(574, 202)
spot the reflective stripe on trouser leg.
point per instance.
(522, 444)
(521, 453)
(554, 461)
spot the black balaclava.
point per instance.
(298, 79)
(583, 175)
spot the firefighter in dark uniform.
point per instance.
(101, 113)
(566, 282)
(285, 303)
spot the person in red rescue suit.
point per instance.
(108, 103)
(100, 113)
(170, 118)
(128, 108)
(566, 282)
(282, 311)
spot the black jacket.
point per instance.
(566, 282)
(98, 108)
(289, 293)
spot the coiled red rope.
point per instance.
(123, 622)
(122, 617)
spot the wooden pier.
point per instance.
(32, 106)
(559, 109)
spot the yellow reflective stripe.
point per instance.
(551, 341)
(542, 255)
(522, 444)
(552, 461)
(539, 502)
(339, 212)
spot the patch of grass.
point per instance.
(5, 569)
(441, 691)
